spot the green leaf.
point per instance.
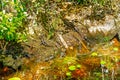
(15, 1)
(72, 68)
(106, 39)
(58, 0)
(68, 74)
(78, 66)
(14, 78)
(102, 62)
(1, 37)
(10, 25)
(78, 1)
(94, 54)
(9, 36)
(115, 49)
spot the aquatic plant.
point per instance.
(115, 49)
(76, 71)
(72, 68)
(14, 78)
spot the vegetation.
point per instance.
(59, 39)
(12, 16)
(12, 31)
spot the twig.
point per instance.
(103, 77)
(113, 72)
(63, 41)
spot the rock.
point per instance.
(94, 30)
(105, 31)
